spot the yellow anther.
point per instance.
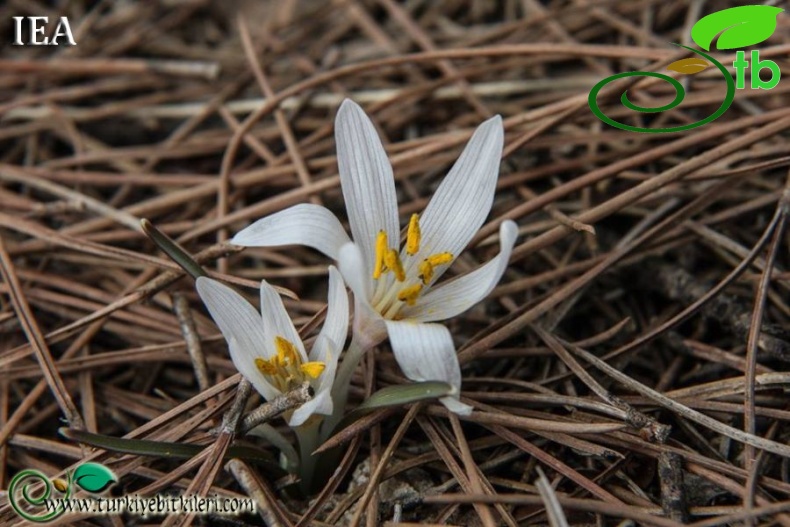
(265, 367)
(392, 259)
(413, 235)
(285, 367)
(426, 271)
(286, 352)
(410, 294)
(381, 253)
(440, 259)
(312, 369)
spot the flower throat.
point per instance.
(405, 289)
(286, 369)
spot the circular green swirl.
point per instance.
(679, 95)
(18, 480)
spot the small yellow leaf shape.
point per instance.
(60, 484)
(689, 66)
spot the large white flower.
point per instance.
(267, 350)
(394, 289)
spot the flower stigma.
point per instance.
(285, 369)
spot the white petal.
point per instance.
(320, 404)
(464, 198)
(304, 224)
(241, 326)
(352, 267)
(327, 348)
(276, 322)
(335, 327)
(425, 352)
(456, 406)
(369, 328)
(367, 180)
(324, 350)
(448, 300)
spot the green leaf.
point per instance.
(390, 396)
(401, 394)
(147, 447)
(94, 477)
(172, 249)
(739, 27)
(397, 395)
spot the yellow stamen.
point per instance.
(426, 271)
(285, 367)
(381, 252)
(286, 352)
(413, 236)
(440, 259)
(427, 266)
(312, 369)
(410, 294)
(265, 367)
(392, 259)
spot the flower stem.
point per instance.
(307, 434)
(342, 383)
(279, 441)
(351, 359)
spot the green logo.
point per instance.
(24, 496)
(735, 27)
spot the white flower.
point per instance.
(394, 288)
(267, 350)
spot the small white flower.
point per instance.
(267, 350)
(394, 287)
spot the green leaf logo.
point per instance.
(739, 27)
(94, 477)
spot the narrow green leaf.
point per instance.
(145, 447)
(397, 395)
(93, 477)
(401, 394)
(739, 27)
(172, 249)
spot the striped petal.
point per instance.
(369, 328)
(276, 321)
(304, 224)
(240, 324)
(367, 181)
(425, 352)
(321, 403)
(448, 300)
(464, 198)
(335, 326)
